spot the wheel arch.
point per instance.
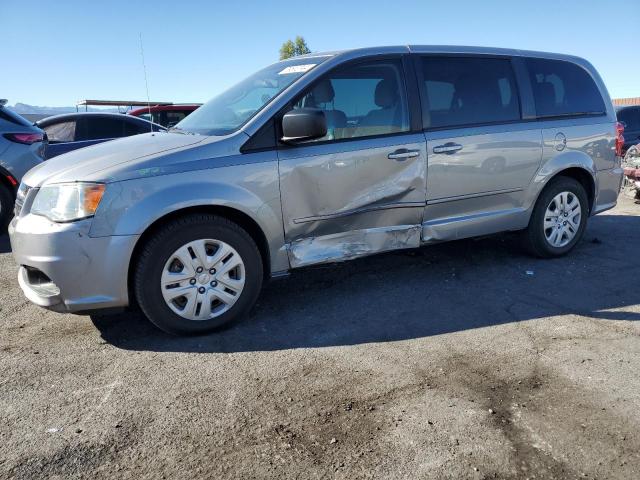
(585, 178)
(230, 213)
(5, 182)
(574, 164)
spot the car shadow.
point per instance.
(435, 290)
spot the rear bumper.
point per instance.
(18, 159)
(65, 270)
(609, 183)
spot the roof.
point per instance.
(73, 115)
(165, 108)
(119, 103)
(453, 49)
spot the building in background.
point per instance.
(619, 102)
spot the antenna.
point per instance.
(146, 83)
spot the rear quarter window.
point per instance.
(563, 89)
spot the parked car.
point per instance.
(165, 115)
(320, 158)
(631, 166)
(630, 118)
(22, 147)
(71, 131)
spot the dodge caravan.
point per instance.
(320, 158)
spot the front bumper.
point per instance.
(63, 269)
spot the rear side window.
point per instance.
(98, 128)
(61, 132)
(131, 128)
(468, 91)
(563, 89)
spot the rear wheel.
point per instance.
(197, 274)
(6, 207)
(558, 220)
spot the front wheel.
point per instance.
(558, 220)
(197, 274)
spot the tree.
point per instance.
(301, 46)
(287, 50)
(292, 48)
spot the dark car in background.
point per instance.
(71, 131)
(629, 116)
(165, 115)
(22, 147)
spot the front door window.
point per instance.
(362, 100)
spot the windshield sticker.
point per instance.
(297, 69)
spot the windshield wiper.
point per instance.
(177, 130)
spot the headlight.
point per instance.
(67, 202)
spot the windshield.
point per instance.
(230, 110)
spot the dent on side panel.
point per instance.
(328, 192)
(352, 244)
(343, 201)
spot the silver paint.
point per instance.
(314, 203)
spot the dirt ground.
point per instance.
(461, 360)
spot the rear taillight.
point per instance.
(26, 138)
(619, 138)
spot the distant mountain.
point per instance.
(23, 109)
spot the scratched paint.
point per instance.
(353, 244)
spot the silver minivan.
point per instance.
(321, 158)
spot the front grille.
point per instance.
(21, 196)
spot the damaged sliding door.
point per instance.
(360, 189)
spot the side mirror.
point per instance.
(303, 124)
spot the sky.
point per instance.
(55, 53)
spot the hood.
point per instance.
(85, 163)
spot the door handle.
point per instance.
(403, 154)
(447, 148)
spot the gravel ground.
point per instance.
(462, 360)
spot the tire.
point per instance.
(538, 240)
(6, 208)
(160, 275)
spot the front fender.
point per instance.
(130, 207)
